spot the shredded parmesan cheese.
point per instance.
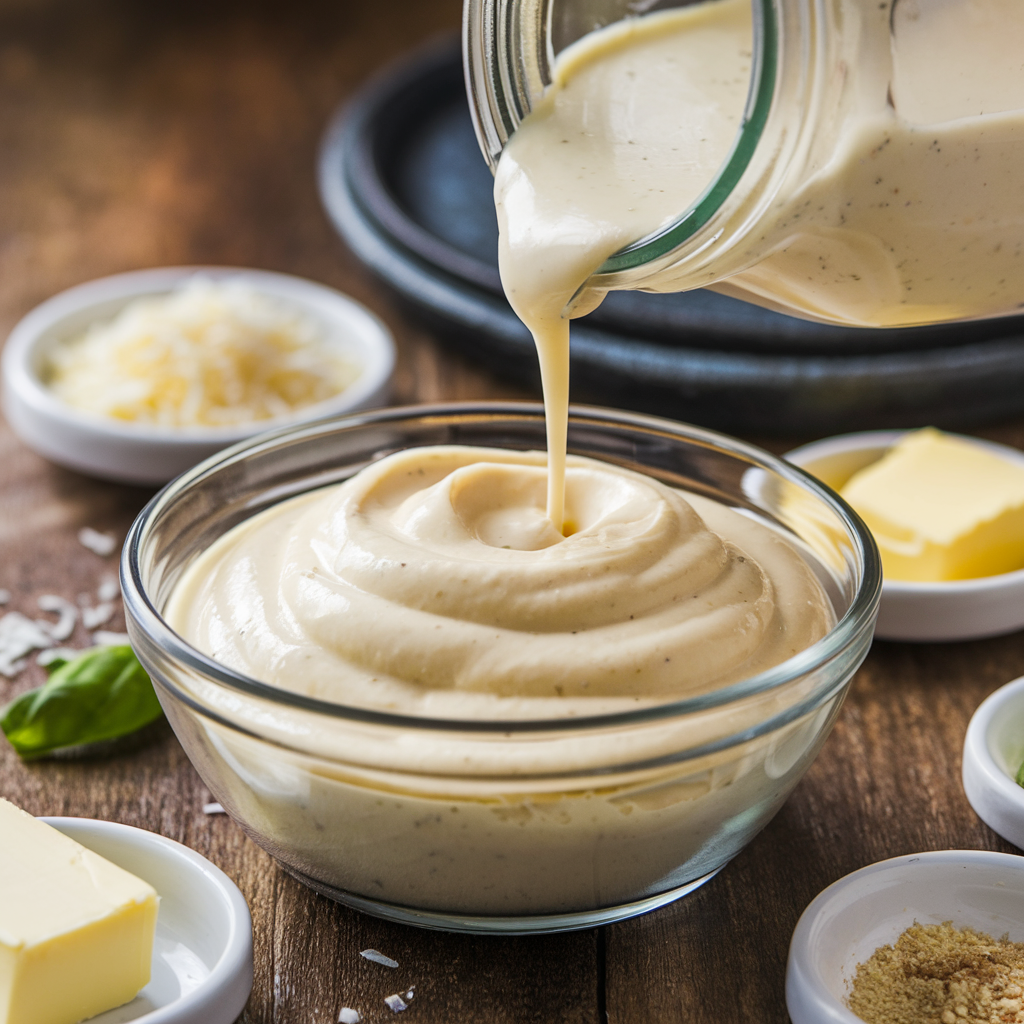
(101, 544)
(52, 654)
(105, 638)
(378, 958)
(93, 618)
(19, 636)
(211, 354)
(67, 616)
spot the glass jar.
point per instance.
(875, 180)
(526, 825)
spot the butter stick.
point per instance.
(76, 932)
(942, 508)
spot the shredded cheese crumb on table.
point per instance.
(210, 354)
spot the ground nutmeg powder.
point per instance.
(938, 974)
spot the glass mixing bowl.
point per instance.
(515, 826)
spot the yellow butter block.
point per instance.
(942, 508)
(76, 932)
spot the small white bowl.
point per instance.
(847, 922)
(993, 751)
(202, 953)
(136, 453)
(931, 612)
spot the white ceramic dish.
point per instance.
(202, 954)
(993, 751)
(847, 922)
(149, 455)
(960, 610)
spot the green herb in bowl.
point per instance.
(103, 694)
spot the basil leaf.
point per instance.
(102, 694)
(1020, 775)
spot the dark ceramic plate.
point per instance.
(404, 183)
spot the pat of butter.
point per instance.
(942, 508)
(76, 932)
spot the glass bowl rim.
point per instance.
(859, 616)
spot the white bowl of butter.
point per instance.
(110, 425)
(939, 610)
(202, 961)
(427, 706)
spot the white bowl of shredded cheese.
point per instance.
(139, 376)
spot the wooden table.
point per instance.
(133, 137)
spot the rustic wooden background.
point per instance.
(137, 133)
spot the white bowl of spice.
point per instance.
(994, 761)
(139, 376)
(934, 937)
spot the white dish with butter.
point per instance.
(202, 954)
(946, 611)
(134, 452)
(993, 752)
(872, 907)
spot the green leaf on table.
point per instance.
(102, 694)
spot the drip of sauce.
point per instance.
(637, 121)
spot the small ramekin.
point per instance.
(993, 752)
(872, 907)
(499, 832)
(202, 952)
(142, 454)
(928, 612)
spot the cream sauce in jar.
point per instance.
(910, 213)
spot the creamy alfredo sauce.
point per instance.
(433, 583)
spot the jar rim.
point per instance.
(142, 614)
(500, 82)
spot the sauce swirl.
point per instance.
(434, 582)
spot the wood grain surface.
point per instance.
(136, 134)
